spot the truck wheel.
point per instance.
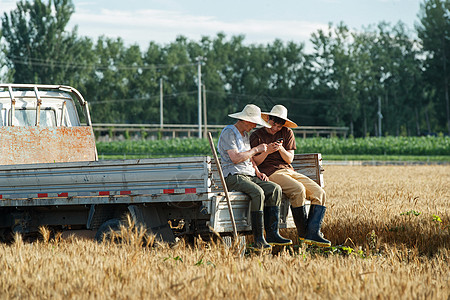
(6, 235)
(107, 229)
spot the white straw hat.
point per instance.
(251, 113)
(281, 112)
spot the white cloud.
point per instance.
(163, 26)
(6, 6)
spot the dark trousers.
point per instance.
(262, 193)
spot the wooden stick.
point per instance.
(225, 189)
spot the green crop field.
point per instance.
(373, 148)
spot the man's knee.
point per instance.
(319, 197)
(278, 190)
(323, 196)
(297, 198)
(257, 200)
(256, 194)
(273, 198)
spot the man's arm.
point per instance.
(260, 175)
(260, 157)
(287, 155)
(238, 157)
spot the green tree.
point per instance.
(216, 71)
(396, 74)
(39, 49)
(434, 32)
(5, 72)
(335, 75)
(402, 97)
(288, 83)
(110, 83)
(150, 81)
(366, 80)
(181, 82)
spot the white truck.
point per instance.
(50, 176)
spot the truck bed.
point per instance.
(164, 182)
(109, 181)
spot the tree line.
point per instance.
(385, 72)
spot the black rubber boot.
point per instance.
(271, 220)
(300, 220)
(313, 235)
(258, 231)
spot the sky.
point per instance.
(260, 21)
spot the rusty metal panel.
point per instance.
(34, 144)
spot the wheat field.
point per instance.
(390, 227)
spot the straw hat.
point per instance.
(281, 112)
(251, 113)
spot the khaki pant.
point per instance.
(298, 187)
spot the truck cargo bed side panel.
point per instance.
(174, 176)
(307, 164)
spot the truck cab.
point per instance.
(41, 124)
(56, 109)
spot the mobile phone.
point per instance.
(280, 140)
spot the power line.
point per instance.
(54, 63)
(271, 100)
(142, 99)
(267, 99)
(278, 99)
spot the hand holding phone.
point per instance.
(280, 140)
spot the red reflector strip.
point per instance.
(190, 191)
(104, 193)
(125, 192)
(42, 195)
(63, 195)
(168, 191)
(1, 196)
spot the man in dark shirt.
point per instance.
(241, 174)
(276, 161)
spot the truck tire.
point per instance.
(6, 235)
(105, 231)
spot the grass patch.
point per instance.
(383, 148)
(403, 158)
(330, 157)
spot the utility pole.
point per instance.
(380, 116)
(161, 111)
(205, 128)
(199, 70)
